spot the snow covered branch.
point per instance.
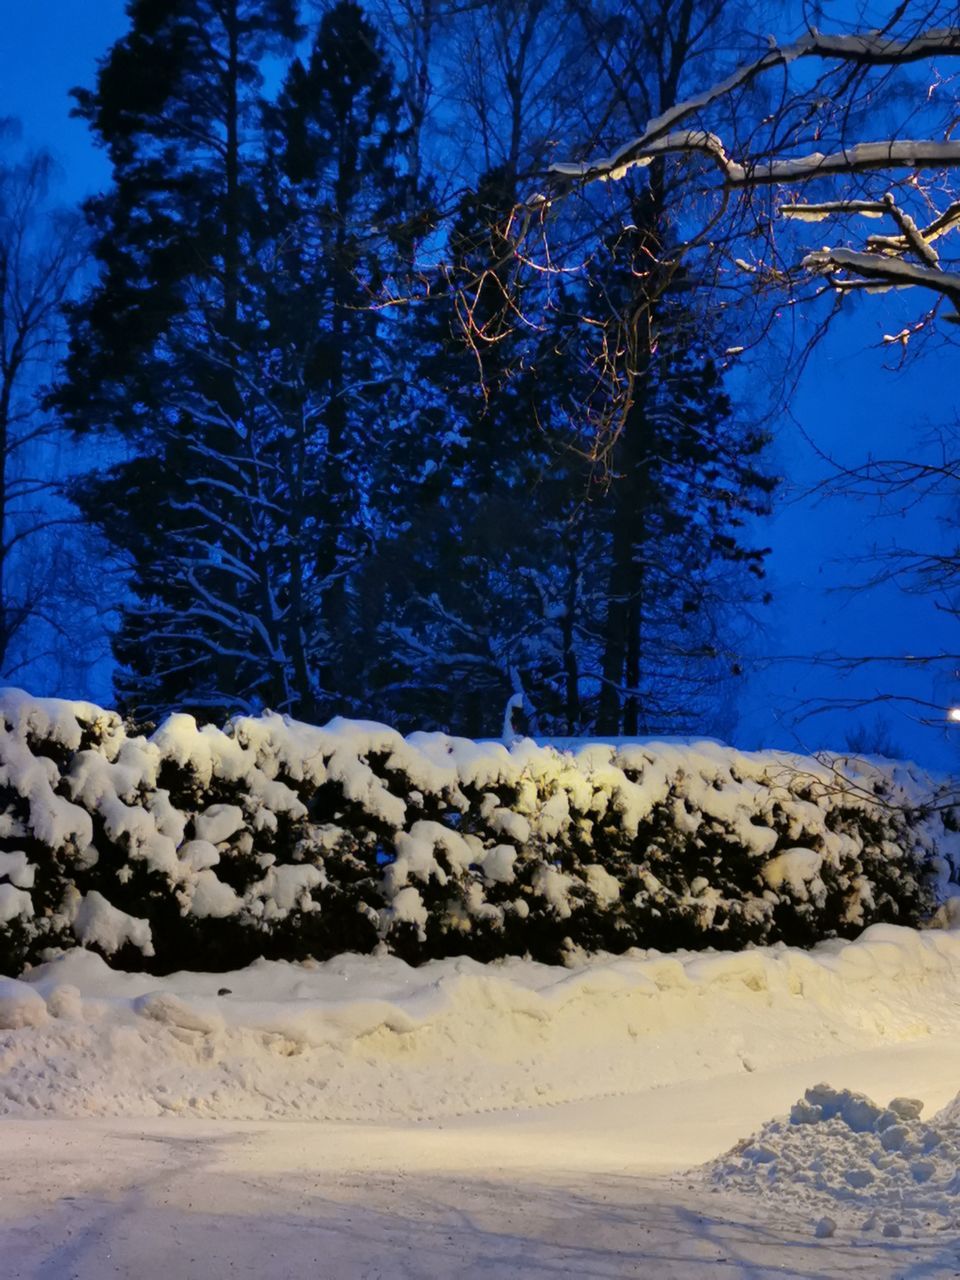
(890, 273)
(863, 156)
(905, 180)
(867, 49)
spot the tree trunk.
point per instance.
(631, 707)
(620, 666)
(571, 666)
(231, 211)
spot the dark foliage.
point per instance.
(349, 837)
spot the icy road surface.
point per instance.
(580, 1190)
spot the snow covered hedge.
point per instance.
(205, 848)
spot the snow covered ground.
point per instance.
(361, 1118)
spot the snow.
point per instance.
(895, 272)
(798, 868)
(285, 889)
(407, 907)
(15, 904)
(210, 898)
(370, 1038)
(879, 1168)
(218, 823)
(98, 923)
(505, 1119)
(512, 1119)
(197, 1200)
(15, 867)
(873, 47)
(20, 1006)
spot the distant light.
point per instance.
(954, 715)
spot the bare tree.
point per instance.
(41, 251)
(857, 134)
(733, 161)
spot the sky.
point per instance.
(46, 48)
(848, 404)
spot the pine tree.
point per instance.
(157, 352)
(344, 214)
(246, 344)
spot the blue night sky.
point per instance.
(45, 50)
(849, 404)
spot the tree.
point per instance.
(684, 474)
(901, 179)
(285, 436)
(157, 345)
(753, 179)
(41, 252)
(470, 612)
(688, 477)
(529, 564)
(345, 212)
(252, 350)
(215, 531)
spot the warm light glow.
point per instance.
(954, 715)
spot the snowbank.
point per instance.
(197, 847)
(372, 1038)
(851, 1162)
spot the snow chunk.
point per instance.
(212, 899)
(65, 1001)
(16, 869)
(407, 907)
(513, 825)
(555, 885)
(163, 1006)
(605, 886)
(198, 855)
(98, 923)
(881, 1168)
(218, 823)
(20, 1006)
(284, 889)
(498, 863)
(799, 871)
(14, 904)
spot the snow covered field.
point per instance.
(361, 1118)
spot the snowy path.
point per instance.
(580, 1190)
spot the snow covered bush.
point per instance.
(205, 848)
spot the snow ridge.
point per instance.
(371, 1038)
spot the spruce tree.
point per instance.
(684, 478)
(231, 343)
(344, 214)
(157, 351)
(473, 568)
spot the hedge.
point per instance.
(205, 848)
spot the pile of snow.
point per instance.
(206, 848)
(371, 1038)
(848, 1161)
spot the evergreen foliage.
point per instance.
(201, 848)
(326, 504)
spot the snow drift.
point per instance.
(370, 1038)
(196, 847)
